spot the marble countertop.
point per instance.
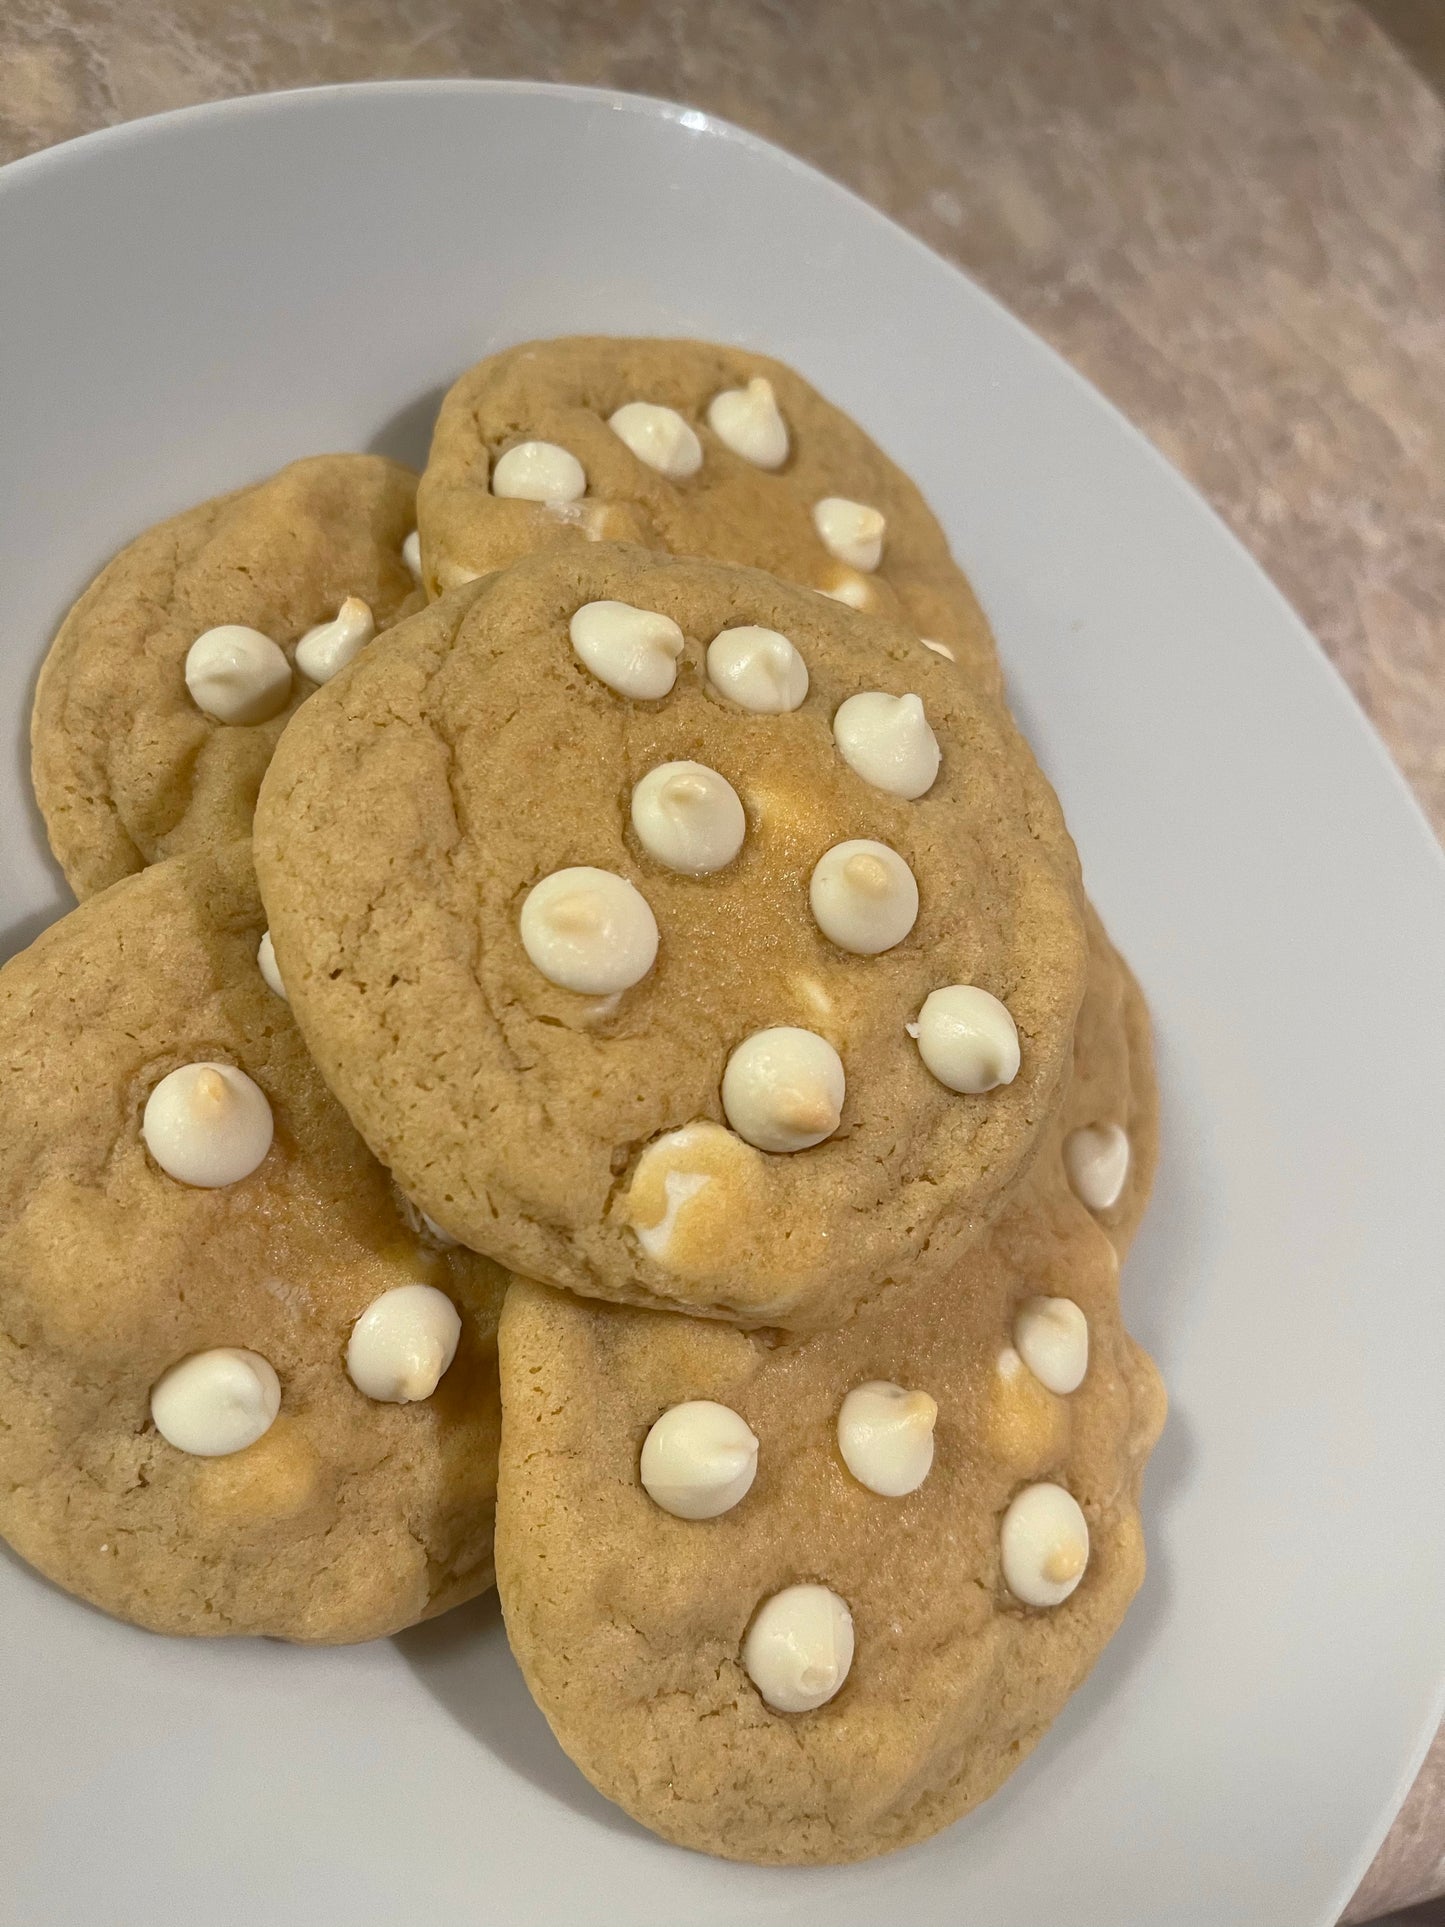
(1227, 213)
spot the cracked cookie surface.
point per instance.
(416, 803)
(350, 1517)
(127, 767)
(565, 393)
(631, 1625)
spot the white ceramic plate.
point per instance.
(187, 303)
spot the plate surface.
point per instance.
(188, 302)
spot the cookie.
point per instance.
(695, 449)
(218, 1323)
(808, 1600)
(675, 934)
(170, 680)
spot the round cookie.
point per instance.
(127, 767)
(736, 506)
(350, 1515)
(434, 819)
(650, 1640)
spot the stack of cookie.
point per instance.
(672, 1128)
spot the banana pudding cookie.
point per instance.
(170, 680)
(676, 934)
(692, 448)
(810, 1599)
(246, 1388)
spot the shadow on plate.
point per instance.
(406, 435)
(464, 1662)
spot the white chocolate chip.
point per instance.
(888, 742)
(814, 992)
(403, 1343)
(854, 590)
(237, 675)
(850, 530)
(538, 472)
(939, 649)
(327, 648)
(658, 436)
(1097, 1161)
(1044, 1544)
(886, 1437)
(452, 575)
(678, 1188)
(1052, 1337)
(688, 817)
(214, 1403)
(864, 897)
(589, 930)
(748, 421)
(603, 522)
(633, 651)
(266, 963)
(1025, 1426)
(1009, 1364)
(411, 554)
(427, 1229)
(783, 1089)
(598, 521)
(967, 1039)
(699, 1460)
(799, 1648)
(207, 1125)
(691, 1190)
(758, 669)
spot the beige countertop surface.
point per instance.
(1229, 214)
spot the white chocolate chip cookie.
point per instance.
(875, 1561)
(240, 1394)
(172, 677)
(530, 964)
(695, 449)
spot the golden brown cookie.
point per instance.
(649, 1640)
(739, 478)
(472, 810)
(350, 1515)
(128, 767)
